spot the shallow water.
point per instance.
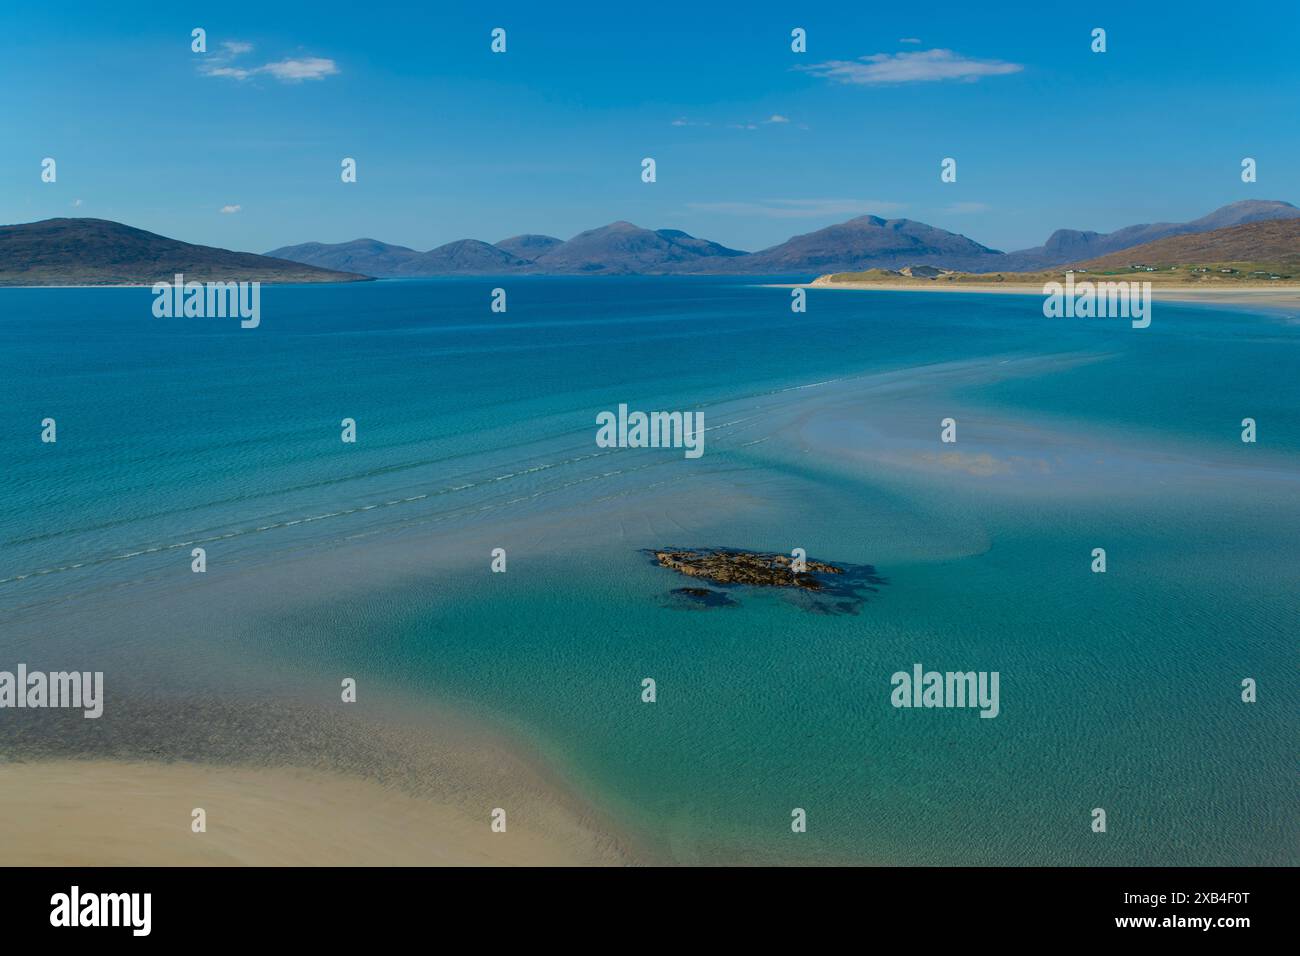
(476, 430)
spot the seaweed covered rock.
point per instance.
(761, 569)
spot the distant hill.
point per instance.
(462, 257)
(622, 248)
(100, 252)
(1071, 245)
(366, 256)
(528, 247)
(882, 243)
(1271, 242)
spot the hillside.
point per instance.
(1072, 245)
(462, 257)
(528, 246)
(884, 243)
(100, 252)
(622, 248)
(1256, 253)
(1275, 242)
(367, 256)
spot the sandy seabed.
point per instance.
(125, 813)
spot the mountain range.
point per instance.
(85, 251)
(622, 248)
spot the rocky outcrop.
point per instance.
(746, 567)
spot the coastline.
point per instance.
(1262, 296)
(150, 285)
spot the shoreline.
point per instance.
(1265, 296)
(150, 285)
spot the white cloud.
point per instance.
(295, 71)
(908, 40)
(227, 210)
(76, 203)
(798, 208)
(291, 70)
(774, 118)
(924, 66)
(964, 208)
(233, 72)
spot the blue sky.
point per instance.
(753, 143)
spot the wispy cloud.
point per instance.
(231, 72)
(76, 203)
(798, 208)
(923, 66)
(290, 70)
(228, 210)
(965, 208)
(774, 119)
(908, 40)
(295, 71)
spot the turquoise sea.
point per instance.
(477, 430)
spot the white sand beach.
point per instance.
(1245, 296)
